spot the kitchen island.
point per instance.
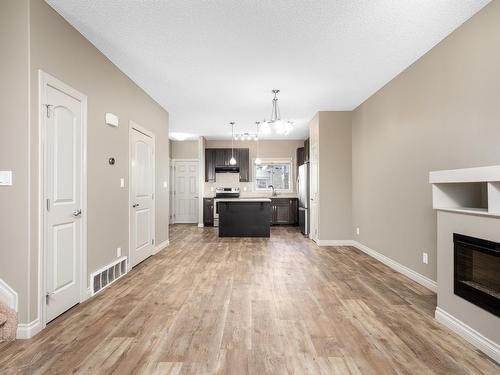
(244, 217)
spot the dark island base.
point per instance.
(244, 219)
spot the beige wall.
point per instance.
(330, 154)
(269, 149)
(14, 128)
(58, 49)
(335, 210)
(184, 149)
(441, 113)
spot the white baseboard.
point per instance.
(415, 276)
(28, 330)
(408, 272)
(484, 344)
(334, 242)
(8, 295)
(161, 246)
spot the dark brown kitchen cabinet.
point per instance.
(210, 165)
(221, 157)
(306, 151)
(284, 211)
(300, 158)
(208, 212)
(244, 164)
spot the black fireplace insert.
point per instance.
(477, 271)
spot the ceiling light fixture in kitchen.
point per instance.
(279, 126)
(257, 159)
(245, 136)
(232, 161)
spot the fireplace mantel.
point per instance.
(473, 191)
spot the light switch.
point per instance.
(165, 184)
(5, 178)
(122, 182)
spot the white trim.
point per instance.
(201, 178)
(481, 342)
(8, 295)
(335, 242)
(479, 174)
(28, 330)
(137, 127)
(201, 225)
(161, 246)
(45, 79)
(174, 220)
(415, 276)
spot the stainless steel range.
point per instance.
(224, 192)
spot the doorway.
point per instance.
(186, 190)
(142, 194)
(63, 209)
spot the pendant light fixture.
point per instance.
(279, 126)
(232, 161)
(257, 159)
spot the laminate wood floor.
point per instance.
(282, 305)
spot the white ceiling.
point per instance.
(212, 62)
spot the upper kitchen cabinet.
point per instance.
(300, 156)
(244, 164)
(221, 157)
(210, 165)
(306, 151)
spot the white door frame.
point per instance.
(45, 80)
(174, 162)
(136, 127)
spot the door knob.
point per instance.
(135, 205)
(77, 212)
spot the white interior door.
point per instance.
(186, 191)
(63, 186)
(314, 193)
(142, 216)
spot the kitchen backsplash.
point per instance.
(233, 180)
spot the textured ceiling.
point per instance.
(211, 62)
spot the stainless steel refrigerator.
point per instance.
(303, 195)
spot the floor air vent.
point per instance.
(108, 274)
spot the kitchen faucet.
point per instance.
(274, 191)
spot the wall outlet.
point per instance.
(244, 188)
(357, 231)
(165, 184)
(122, 182)
(118, 252)
(425, 258)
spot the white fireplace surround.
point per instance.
(467, 202)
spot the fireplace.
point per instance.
(477, 272)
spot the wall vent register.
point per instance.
(477, 272)
(105, 276)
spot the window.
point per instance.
(277, 174)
